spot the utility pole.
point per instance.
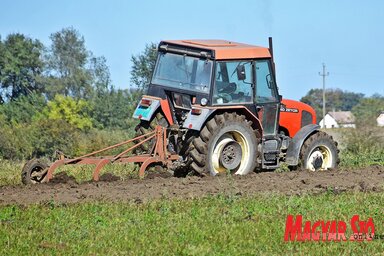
(324, 74)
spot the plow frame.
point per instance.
(158, 154)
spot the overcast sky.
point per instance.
(348, 36)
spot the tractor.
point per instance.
(212, 107)
(220, 104)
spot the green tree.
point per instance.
(143, 66)
(101, 76)
(114, 108)
(67, 61)
(75, 112)
(335, 99)
(368, 110)
(21, 66)
(23, 109)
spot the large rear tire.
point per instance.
(227, 143)
(319, 152)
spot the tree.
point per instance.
(75, 112)
(67, 59)
(336, 99)
(368, 110)
(23, 109)
(143, 66)
(21, 67)
(100, 74)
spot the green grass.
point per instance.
(10, 172)
(221, 225)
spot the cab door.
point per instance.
(266, 97)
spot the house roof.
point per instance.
(343, 117)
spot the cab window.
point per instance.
(233, 83)
(265, 86)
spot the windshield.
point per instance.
(184, 72)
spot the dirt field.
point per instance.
(64, 189)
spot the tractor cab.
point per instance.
(216, 74)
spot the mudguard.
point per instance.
(147, 110)
(293, 151)
(195, 121)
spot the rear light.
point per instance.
(196, 111)
(145, 103)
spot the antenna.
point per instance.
(324, 74)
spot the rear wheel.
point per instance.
(319, 152)
(227, 143)
(34, 171)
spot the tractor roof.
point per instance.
(223, 49)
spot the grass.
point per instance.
(220, 225)
(10, 172)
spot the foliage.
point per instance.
(362, 147)
(214, 225)
(15, 140)
(368, 110)
(143, 65)
(21, 66)
(114, 108)
(67, 61)
(23, 109)
(335, 99)
(51, 98)
(75, 112)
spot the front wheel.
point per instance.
(319, 152)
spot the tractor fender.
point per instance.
(198, 116)
(145, 112)
(293, 150)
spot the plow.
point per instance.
(212, 107)
(35, 171)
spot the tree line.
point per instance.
(61, 96)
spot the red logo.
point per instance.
(333, 230)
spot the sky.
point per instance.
(346, 35)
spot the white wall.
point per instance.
(329, 122)
(380, 120)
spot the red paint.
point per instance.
(166, 110)
(292, 121)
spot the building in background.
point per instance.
(338, 119)
(380, 119)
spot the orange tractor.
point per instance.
(213, 107)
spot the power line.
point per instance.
(324, 74)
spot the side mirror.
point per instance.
(241, 73)
(280, 98)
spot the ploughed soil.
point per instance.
(64, 189)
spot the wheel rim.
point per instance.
(38, 174)
(319, 159)
(230, 153)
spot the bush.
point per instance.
(363, 146)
